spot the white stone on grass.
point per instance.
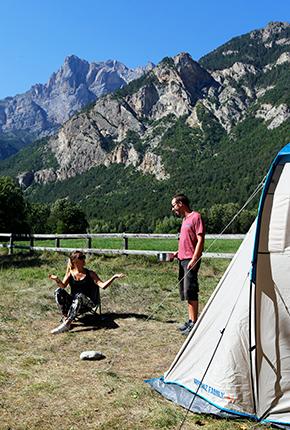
(91, 355)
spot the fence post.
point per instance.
(57, 242)
(31, 244)
(10, 251)
(126, 242)
(89, 242)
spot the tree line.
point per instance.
(17, 215)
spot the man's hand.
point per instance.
(173, 255)
(192, 263)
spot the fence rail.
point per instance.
(11, 238)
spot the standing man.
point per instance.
(190, 247)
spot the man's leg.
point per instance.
(192, 310)
(192, 291)
(181, 292)
(191, 294)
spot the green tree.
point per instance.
(101, 226)
(135, 223)
(246, 219)
(13, 215)
(38, 216)
(67, 217)
(168, 225)
(220, 216)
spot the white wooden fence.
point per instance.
(11, 241)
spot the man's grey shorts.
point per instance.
(188, 282)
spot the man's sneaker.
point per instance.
(185, 325)
(188, 329)
(61, 328)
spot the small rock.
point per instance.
(91, 355)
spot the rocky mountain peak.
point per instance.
(41, 110)
(272, 29)
(183, 58)
(73, 61)
(276, 27)
(149, 66)
(184, 69)
(194, 77)
(72, 73)
(171, 89)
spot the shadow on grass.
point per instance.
(93, 322)
(19, 261)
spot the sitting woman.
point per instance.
(84, 285)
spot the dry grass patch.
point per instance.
(44, 384)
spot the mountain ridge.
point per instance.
(209, 132)
(42, 109)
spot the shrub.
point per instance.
(67, 217)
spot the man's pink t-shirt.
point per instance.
(191, 226)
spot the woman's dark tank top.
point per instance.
(85, 286)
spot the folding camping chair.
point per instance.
(97, 300)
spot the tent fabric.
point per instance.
(187, 399)
(189, 367)
(236, 361)
(272, 298)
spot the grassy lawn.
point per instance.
(44, 384)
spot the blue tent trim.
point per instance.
(182, 395)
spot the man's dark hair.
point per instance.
(182, 198)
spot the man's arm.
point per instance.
(198, 251)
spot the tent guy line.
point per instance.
(252, 196)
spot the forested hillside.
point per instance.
(209, 129)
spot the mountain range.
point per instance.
(208, 128)
(45, 107)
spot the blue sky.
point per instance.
(37, 35)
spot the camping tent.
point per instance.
(236, 360)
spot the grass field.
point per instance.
(44, 384)
(229, 245)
